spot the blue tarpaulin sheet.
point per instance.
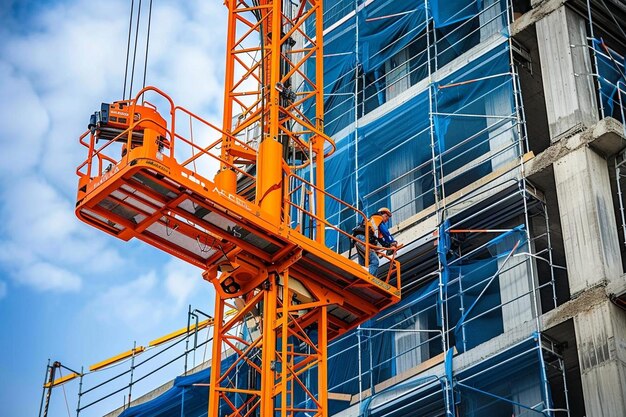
(611, 71)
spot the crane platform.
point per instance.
(150, 195)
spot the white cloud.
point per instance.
(50, 78)
(23, 120)
(147, 301)
(181, 281)
(130, 303)
(44, 276)
(56, 68)
(43, 244)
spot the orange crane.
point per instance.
(257, 228)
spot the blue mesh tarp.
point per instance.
(389, 148)
(611, 71)
(339, 76)
(459, 26)
(472, 118)
(471, 283)
(508, 383)
(335, 10)
(505, 384)
(419, 396)
(387, 27)
(340, 178)
(384, 28)
(377, 348)
(377, 31)
(394, 158)
(185, 396)
(473, 293)
(446, 13)
(474, 115)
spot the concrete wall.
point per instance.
(587, 219)
(601, 342)
(566, 69)
(586, 210)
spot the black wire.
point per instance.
(130, 29)
(132, 73)
(145, 65)
(256, 12)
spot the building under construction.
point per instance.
(494, 131)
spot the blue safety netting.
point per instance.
(408, 333)
(459, 26)
(379, 356)
(611, 74)
(335, 10)
(399, 156)
(339, 182)
(385, 46)
(512, 382)
(419, 396)
(407, 156)
(474, 117)
(508, 383)
(473, 293)
(188, 396)
(387, 27)
(373, 51)
(447, 13)
(360, 47)
(339, 77)
(394, 158)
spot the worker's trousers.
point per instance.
(360, 250)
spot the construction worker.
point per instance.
(379, 224)
(378, 235)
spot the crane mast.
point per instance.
(257, 229)
(287, 105)
(287, 39)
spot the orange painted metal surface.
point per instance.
(256, 228)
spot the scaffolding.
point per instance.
(117, 382)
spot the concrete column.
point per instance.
(587, 219)
(566, 68)
(601, 343)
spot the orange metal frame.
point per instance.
(245, 229)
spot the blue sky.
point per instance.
(69, 292)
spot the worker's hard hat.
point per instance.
(385, 210)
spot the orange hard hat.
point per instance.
(385, 210)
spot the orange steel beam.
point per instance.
(267, 25)
(288, 352)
